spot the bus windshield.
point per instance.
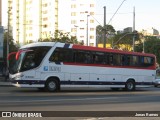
(26, 59)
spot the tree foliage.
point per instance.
(109, 29)
(12, 46)
(62, 37)
(125, 39)
(151, 45)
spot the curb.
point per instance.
(5, 84)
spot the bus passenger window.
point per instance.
(111, 60)
(123, 60)
(88, 58)
(54, 57)
(106, 60)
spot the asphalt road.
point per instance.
(29, 99)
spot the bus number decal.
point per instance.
(55, 68)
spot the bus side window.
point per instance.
(147, 61)
(57, 56)
(54, 56)
(123, 60)
(111, 59)
(128, 61)
(106, 60)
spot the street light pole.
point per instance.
(8, 28)
(133, 28)
(104, 36)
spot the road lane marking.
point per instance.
(58, 100)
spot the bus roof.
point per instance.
(110, 50)
(51, 44)
(38, 44)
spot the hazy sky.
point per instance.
(147, 13)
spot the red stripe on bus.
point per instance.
(111, 66)
(109, 50)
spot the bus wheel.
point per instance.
(51, 85)
(130, 85)
(155, 85)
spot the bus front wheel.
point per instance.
(51, 85)
(130, 85)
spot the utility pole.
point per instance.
(8, 29)
(133, 28)
(104, 37)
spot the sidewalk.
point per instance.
(4, 82)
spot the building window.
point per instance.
(91, 21)
(81, 28)
(81, 12)
(30, 34)
(45, 19)
(81, 36)
(45, 12)
(91, 5)
(91, 44)
(81, 4)
(45, 26)
(45, 5)
(73, 14)
(91, 29)
(91, 37)
(91, 13)
(81, 20)
(73, 6)
(73, 22)
(73, 29)
(30, 22)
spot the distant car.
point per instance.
(157, 82)
(157, 79)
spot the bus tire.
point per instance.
(155, 85)
(130, 85)
(51, 85)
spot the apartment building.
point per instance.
(77, 17)
(31, 20)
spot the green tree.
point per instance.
(109, 29)
(151, 45)
(62, 37)
(12, 46)
(125, 39)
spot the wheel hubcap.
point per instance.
(52, 85)
(130, 85)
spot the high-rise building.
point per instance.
(33, 19)
(78, 19)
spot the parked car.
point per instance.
(157, 82)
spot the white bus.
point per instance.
(53, 66)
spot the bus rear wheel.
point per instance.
(51, 85)
(130, 85)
